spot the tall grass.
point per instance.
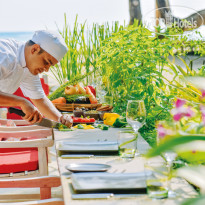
(83, 48)
(84, 45)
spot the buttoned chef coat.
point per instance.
(14, 73)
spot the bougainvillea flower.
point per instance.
(202, 109)
(203, 93)
(180, 112)
(179, 103)
(162, 131)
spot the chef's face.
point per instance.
(39, 60)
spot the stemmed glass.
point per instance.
(136, 114)
(166, 129)
(101, 92)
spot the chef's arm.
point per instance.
(11, 100)
(32, 115)
(46, 107)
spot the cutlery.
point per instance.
(104, 196)
(70, 156)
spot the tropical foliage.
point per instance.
(129, 62)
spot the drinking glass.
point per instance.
(156, 179)
(100, 88)
(127, 143)
(166, 129)
(108, 100)
(136, 114)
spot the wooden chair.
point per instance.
(33, 146)
(45, 184)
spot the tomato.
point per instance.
(92, 119)
(83, 120)
(77, 119)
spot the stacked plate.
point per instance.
(109, 182)
(83, 147)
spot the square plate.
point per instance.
(106, 182)
(84, 147)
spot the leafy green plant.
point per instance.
(79, 64)
(83, 47)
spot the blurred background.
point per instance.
(18, 19)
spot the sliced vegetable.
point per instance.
(79, 126)
(84, 126)
(61, 126)
(83, 120)
(66, 129)
(104, 127)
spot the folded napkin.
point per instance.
(91, 147)
(109, 182)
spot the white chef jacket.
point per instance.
(14, 73)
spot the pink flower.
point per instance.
(181, 112)
(203, 93)
(177, 117)
(202, 109)
(179, 103)
(161, 131)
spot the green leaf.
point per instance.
(173, 142)
(196, 201)
(195, 175)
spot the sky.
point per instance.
(31, 15)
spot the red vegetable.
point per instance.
(92, 98)
(82, 120)
(92, 119)
(92, 89)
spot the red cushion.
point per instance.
(20, 93)
(18, 159)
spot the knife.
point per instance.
(44, 122)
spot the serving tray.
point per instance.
(73, 106)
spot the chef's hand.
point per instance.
(66, 120)
(32, 115)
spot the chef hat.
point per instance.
(51, 42)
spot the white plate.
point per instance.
(89, 147)
(87, 167)
(88, 182)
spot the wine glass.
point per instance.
(100, 88)
(165, 129)
(136, 114)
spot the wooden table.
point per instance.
(118, 166)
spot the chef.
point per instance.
(20, 64)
